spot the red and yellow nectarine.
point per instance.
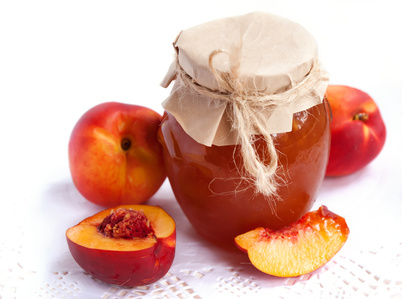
(114, 154)
(297, 249)
(129, 245)
(357, 130)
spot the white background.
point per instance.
(60, 58)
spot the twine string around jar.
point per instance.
(242, 104)
(245, 107)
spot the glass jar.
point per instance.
(246, 112)
(220, 204)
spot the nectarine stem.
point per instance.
(125, 144)
(361, 116)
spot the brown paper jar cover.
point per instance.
(245, 61)
(274, 54)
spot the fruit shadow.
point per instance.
(331, 183)
(336, 192)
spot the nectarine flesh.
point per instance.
(298, 249)
(130, 245)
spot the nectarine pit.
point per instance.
(126, 223)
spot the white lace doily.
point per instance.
(37, 263)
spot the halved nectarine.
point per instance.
(298, 249)
(130, 245)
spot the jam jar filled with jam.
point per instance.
(245, 133)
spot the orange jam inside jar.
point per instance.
(237, 107)
(219, 204)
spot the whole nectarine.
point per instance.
(129, 245)
(357, 130)
(115, 156)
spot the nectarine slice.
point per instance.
(299, 248)
(130, 245)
